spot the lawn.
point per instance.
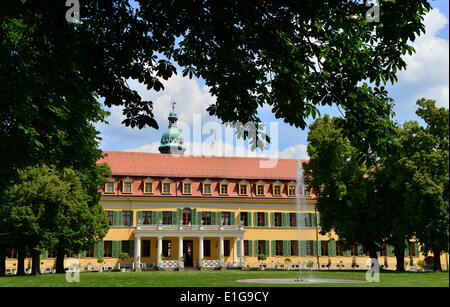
(223, 279)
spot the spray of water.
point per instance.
(299, 203)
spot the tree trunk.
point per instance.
(437, 260)
(36, 263)
(60, 262)
(400, 256)
(21, 261)
(3, 255)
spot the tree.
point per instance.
(50, 209)
(427, 158)
(345, 188)
(293, 56)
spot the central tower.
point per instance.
(172, 139)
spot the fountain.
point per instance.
(298, 202)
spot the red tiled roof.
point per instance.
(166, 165)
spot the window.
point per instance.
(262, 247)
(148, 187)
(292, 190)
(277, 219)
(246, 248)
(279, 248)
(126, 247)
(207, 187)
(260, 188)
(109, 187)
(306, 191)
(126, 187)
(354, 250)
(308, 220)
(167, 218)
(187, 186)
(293, 219)
(226, 248)
(225, 219)
(276, 188)
(339, 249)
(244, 218)
(69, 254)
(107, 249)
(412, 249)
(126, 218)
(243, 188)
(206, 248)
(187, 216)
(223, 188)
(383, 251)
(166, 188)
(206, 218)
(146, 217)
(167, 248)
(90, 252)
(13, 253)
(309, 248)
(294, 248)
(324, 248)
(261, 219)
(145, 252)
(110, 218)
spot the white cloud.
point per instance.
(222, 149)
(428, 68)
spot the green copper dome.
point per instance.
(172, 141)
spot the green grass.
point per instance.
(222, 279)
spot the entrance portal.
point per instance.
(188, 253)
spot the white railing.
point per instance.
(189, 227)
(210, 263)
(167, 264)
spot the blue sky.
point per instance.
(427, 75)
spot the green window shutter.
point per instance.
(255, 249)
(232, 219)
(285, 248)
(83, 254)
(255, 219)
(416, 247)
(115, 222)
(298, 219)
(390, 250)
(303, 248)
(274, 248)
(313, 220)
(178, 217)
(347, 252)
(114, 249)
(319, 247)
(332, 248)
(131, 218)
(314, 248)
(360, 250)
(131, 248)
(44, 254)
(213, 218)
(283, 220)
(302, 220)
(194, 216)
(99, 249)
(160, 215)
(318, 219)
(139, 218)
(272, 219)
(119, 214)
(266, 219)
(238, 247)
(250, 247)
(267, 248)
(407, 249)
(249, 219)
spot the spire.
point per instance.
(172, 139)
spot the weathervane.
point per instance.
(173, 105)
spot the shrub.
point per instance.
(124, 256)
(262, 257)
(100, 260)
(287, 260)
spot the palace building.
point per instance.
(170, 211)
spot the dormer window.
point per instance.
(206, 184)
(306, 191)
(260, 185)
(224, 187)
(165, 186)
(109, 186)
(292, 189)
(243, 188)
(276, 188)
(187, 186)
(148, 186)
(126, 185)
